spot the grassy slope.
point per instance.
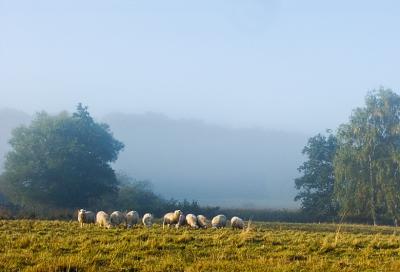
(58, 246)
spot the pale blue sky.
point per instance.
(289, 65)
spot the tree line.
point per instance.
(354, 173)
(64, 162)
(59, 163)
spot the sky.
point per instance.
(286, 65)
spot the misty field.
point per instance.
(29, 245)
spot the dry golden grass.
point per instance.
(29, 245)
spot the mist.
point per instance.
(190, 159)
(212, 164)
(214, 100)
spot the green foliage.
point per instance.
(316, 184)
(61, 161)
(357, 171)
(33, 245)
(367, 162)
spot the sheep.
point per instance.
(86, 217)
(171, 218)
(219, 221)
(202, 221)
(237, 223)
(147, 220)
(132, 218)
(181, 221)
(117, 218)
(103, 219)
(191, 220)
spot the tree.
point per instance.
(316, 185)
(367, 161)
(61, 161)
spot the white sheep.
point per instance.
(147, 220)
(103, 219)
(86, 217)
(202, 221)
(171, 218)
(191, 220)
(237, 223)
(219, 221)
(132, 218)
(117, 218)
(181, 221)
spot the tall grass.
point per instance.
(35, 245)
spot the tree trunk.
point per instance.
(371, 180)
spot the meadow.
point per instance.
(35, 245)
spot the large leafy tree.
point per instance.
(316, 184)
(61, 161)
(367, 162)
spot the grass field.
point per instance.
(29, 245)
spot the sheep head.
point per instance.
(178, 213)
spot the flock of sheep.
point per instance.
(176, 218)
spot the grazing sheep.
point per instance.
(117, 218)
(103, 219)
(202, 221)
(191, 220)
(171, 218)
(147, 220)
(237, 223)
(86, 217)
(219, 221)
(132, 218)
(181, 221)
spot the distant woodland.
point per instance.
(67, 161)
(189, 159)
